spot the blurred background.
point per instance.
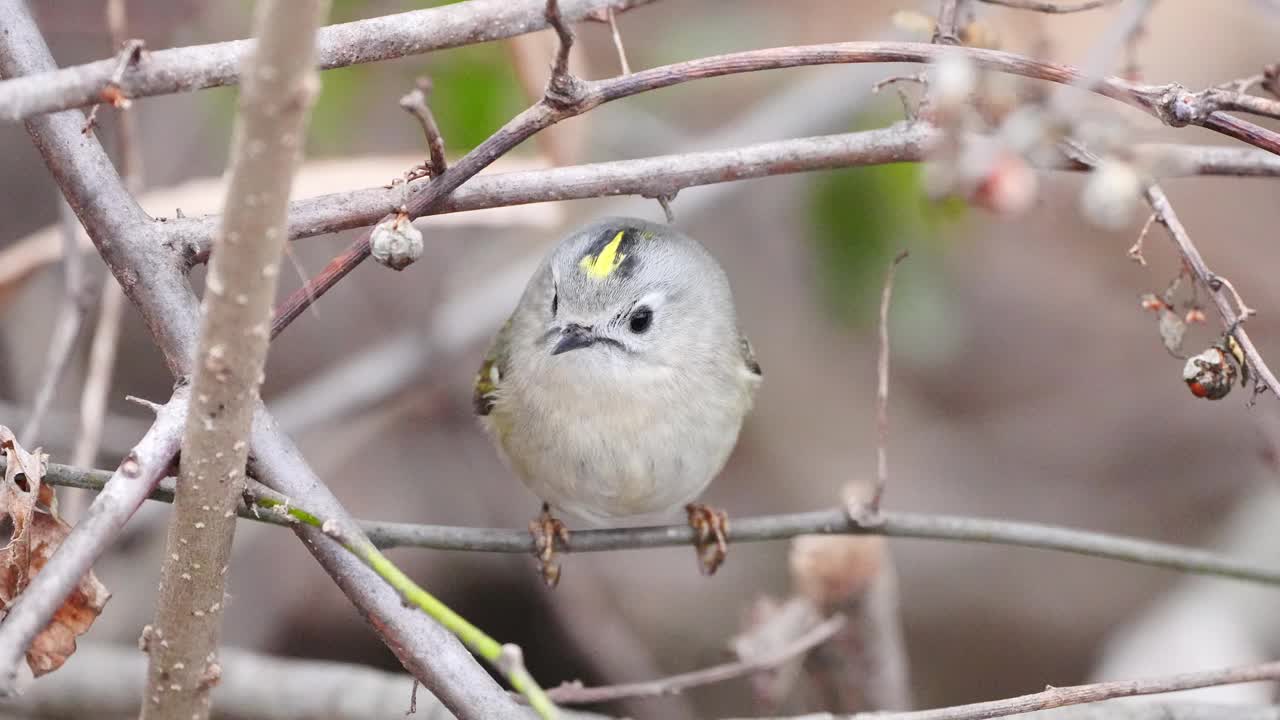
(1027, 382)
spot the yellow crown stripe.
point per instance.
(601, 266)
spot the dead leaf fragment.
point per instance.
(28, 512)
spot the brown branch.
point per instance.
(129, 485)
(1051, 7)
(275, 99)
(882, 389)
(568, 96)
(1233, 314)
(576, 694)
(415, 103)
(217, 64)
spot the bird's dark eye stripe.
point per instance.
(555, 301)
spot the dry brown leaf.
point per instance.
(28, 512)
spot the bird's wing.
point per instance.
(491, 371)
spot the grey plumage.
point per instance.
(619, 385)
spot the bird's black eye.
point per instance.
(555, 301)
(641, 319)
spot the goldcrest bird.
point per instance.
(618, 386)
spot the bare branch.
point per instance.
(363, 41)
(834, 521)
(275, 99)
(1052, 7)
(947, 30)
(106, 337)
(667, 174)
(151, 274)
(623, 65)
(415, 103)
(66, 328)
(129, 485)
(1056, 697)
(1223, 297)
(576, 694)
(130, 53)
(882, 389)
(568, 96)
(130, 243)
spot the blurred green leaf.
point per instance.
(859, 219)
(475, 91)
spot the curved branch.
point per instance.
(668, 174)
(569, 97)
(216, 64)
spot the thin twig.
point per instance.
(66, 326)
(274, 102)
(415, 103)
(128, 486)
(1231, 319)
(617, 42)
(1056, 697)
(834, 521)
(576, 694)
(506, 659)
(1135, 251)
(1051, 7)
(106, 336)
(130, 53)
(882, 388)
(947, 30)
(568, 96)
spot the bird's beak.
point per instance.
(573, 337)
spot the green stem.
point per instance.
(505, 659)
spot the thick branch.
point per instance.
(129, 242)
(277, 94)
(778, 527)
(363, 41)
(153, 280)
(129, 485)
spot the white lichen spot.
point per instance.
(186, 576)
(228, 514)
(179, 666)
(238, 446)
(198, 613)
(242, 299)
(199, 526)
(218, 455)
(182, 540)
(195, 566)
(215, 361)
(270, 271)
(173, 557)
(215, 607)
(175, 687)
